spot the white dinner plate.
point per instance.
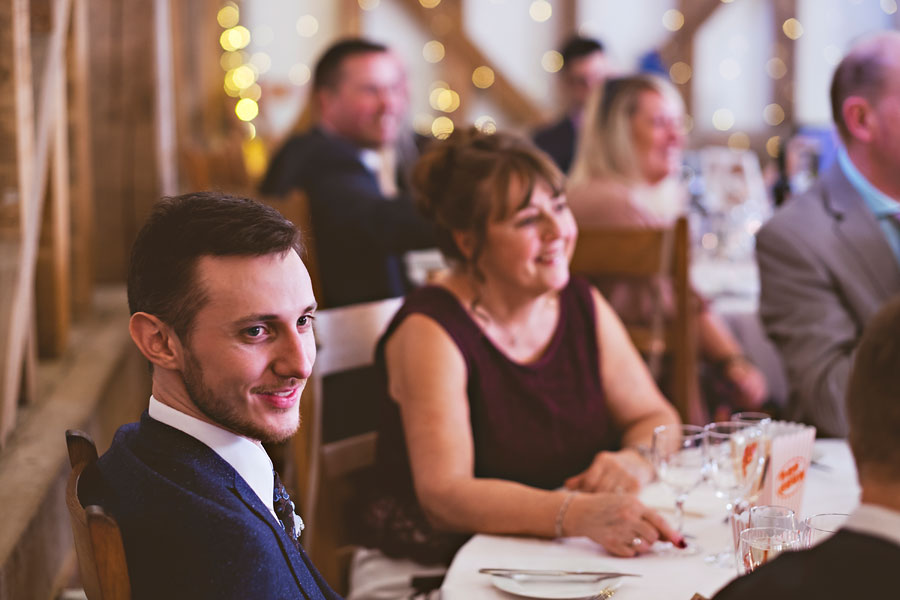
(554, 586)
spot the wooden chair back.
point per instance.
(98, 541)
(661, 253)
(330, 472)
(295, 207)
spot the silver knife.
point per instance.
(594, 575)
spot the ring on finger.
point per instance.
(634, 543)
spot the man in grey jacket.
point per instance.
(831, 257)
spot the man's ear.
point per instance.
(156, 340)
(465, 241)
(859, 118)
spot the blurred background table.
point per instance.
(831, 486)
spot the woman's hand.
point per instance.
(619, 472)
(618, 522)
(749, 381)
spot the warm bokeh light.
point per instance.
(433, 51)
(444, 100)
(422, 123)
(773, 145)
(730, 69)
(231, 60)
(261, 61)
(368, 4)
(254, 92)
(792, 28)
(246, 109)
(673, 19)
(234, 38)
(680, 72)
(483, 77)
(739, 141)
(486, 124)
(228, 15)
(429, 3)
(230, 88)
(723, 119)
(540, 10)
(242, 77)
(773, 114)
(307, 26)
(299, 74)
(441, 128)
(251, 131)
(889, 6)
(552, 61)
(254, 154)
(776, 68)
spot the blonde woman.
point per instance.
(626, 174)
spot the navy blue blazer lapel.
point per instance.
(303, 572)
(859, 231)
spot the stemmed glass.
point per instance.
(736, 458)
(764, 422)
(679, 457)
(758, 545)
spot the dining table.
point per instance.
(830, 487)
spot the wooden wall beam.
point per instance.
(785, 49)
(81, 169)
(460, 47)
(680, 45)
(17, 148)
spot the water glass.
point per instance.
(764, 422)
(758, 545)
(818, 528)
(678, 453)
(773, 516)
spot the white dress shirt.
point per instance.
(246, 456)
(875, 520)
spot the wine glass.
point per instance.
(679, 457)
(758, 545)
(764, 422)
(736, 459)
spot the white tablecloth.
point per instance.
(831, 487)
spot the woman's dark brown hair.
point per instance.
(465, 181)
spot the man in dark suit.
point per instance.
(351, 167)
(831, 257)
(861, 559)
(222, 308)
(584, 69)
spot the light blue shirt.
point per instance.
(885, 208)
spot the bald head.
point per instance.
(865, 72)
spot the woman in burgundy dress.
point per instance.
(515, 402)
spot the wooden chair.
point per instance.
(330, 472)
(653, 253)
(295, 207)
(98, 541)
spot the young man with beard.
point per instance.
(222, 308)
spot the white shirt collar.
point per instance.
(371, 159)
(246, 456)
(875, 520)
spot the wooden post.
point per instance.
(17, 147)
(82, 180)
(166, 146)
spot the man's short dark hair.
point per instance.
(328, 70)
(578, 47)
(873, 396)
(181, 230)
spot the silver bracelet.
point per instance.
(562, 512)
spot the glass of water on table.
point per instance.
(679, 457)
